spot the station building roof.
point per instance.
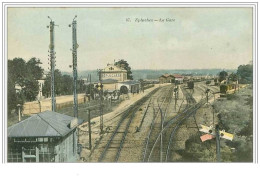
(172, 75)
(108, 81)
(44, 124)
(166, 75)
(110, 68)
(177, 76)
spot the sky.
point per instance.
(196, 38)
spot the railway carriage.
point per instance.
(190, 84)
(131, 86)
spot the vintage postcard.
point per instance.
(130, 83)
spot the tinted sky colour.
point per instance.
(198, 38)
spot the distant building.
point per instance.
(162, 79)
(178, 77)
(41, 83)
(166, 78)
(113, 72)
(44, 137)
(18, 88)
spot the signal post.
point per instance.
(99, 86)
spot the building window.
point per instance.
(46, 153)
(15, 154)
(40, 139)
(29, 153)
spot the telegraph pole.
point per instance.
(89, 130)
(175, 96)
(52, 63)
(74, 62)
(207, 93)
(161, 146)
(100, 87)
(217, 143)
(90, 87)
(238, 83)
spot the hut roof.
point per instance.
(43, 124)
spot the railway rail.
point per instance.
(160, 111)
(112, 150)
(158, 144)
(169, 129)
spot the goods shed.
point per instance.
(44, 137)
(166, 78)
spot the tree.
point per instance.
(235, 115)
(81, 86)
(25, 75)
(124, 65)
(90, 89)
(16, 70)
(222, 76)
(63, 84)
(11, 95)
(33, 67)
(67, 85)
(58, 82)
(46, 89)
(30, 89)
(232, 77)
(245, 73)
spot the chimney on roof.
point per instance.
(73, 123)
(19, 112)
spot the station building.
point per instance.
(113, 72)
(114, 78)
(44, 137)
(110, 84)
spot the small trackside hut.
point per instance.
(44, 137)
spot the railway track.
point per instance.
(178, 122)
(112, 150)
(160, 107)
(158, 144)
(161, 150)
